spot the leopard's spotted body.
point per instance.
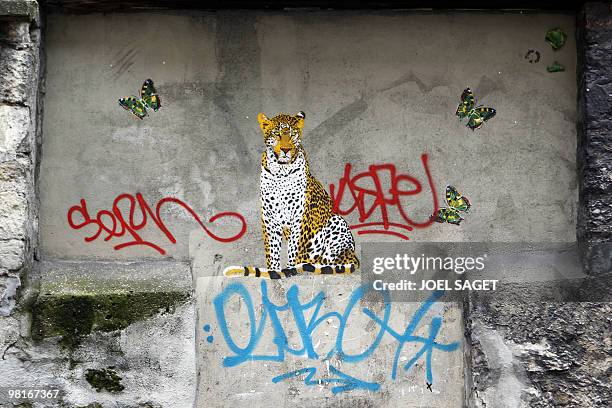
(296, 207)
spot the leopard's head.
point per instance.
(282, 136)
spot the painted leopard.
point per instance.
(296, 207)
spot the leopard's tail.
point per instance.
(317, 269)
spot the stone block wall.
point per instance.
(20, 79)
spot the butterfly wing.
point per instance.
(149, 95)
(449, 215)
(456, 201)
(478, 116)
(134, 105)
(467, 103)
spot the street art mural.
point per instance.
(377, 196)
(456, 203)
(374, 195)
(295, 206)
(148, 99)
(130, 214)
(275, 327)
(368, 195)
(476, 115)
(389, 130)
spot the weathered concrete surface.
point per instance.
(154, 358)
(136, 319)
(594, 143)
(250, 384)
(376, 88)
(526, 353)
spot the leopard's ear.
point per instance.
(300, 119)
(264, 122)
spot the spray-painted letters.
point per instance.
(381, 198)
(307, 318)
(364, 193)
(115, 225)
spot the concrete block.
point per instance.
(19, 9)
(153, 360)
(13, 215)
(77, 298)
(13, 177)
(12, 254)
(15, 128)
(17, 68)
(255, 350)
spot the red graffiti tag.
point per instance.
(381, 199)
(114, 224)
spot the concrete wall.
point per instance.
(376, 88)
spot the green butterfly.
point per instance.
(476, 115)
(148, 99)
(457, 203)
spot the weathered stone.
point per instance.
(9, 333)
(8, 293)
(597, 255)
(136, 319)
(19, 68)
(16, 34)
(15, 128)
(598, 213)
(19, 9)
(104, 379)
(599, 168)
(13, 215)
(75, 316)
(78, 298)
(594, 145)
(11, 171)
(13, 177)
(540, 354)
(16, 75)
(155, 359)
(12, 253)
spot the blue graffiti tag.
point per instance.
(306, 327)
(429, 343)
(350, 383)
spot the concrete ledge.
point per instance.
(92, 277)
(19, 10)
(77, 298)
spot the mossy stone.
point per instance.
(75, 316)
(105, 379)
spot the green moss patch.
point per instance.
(74, 316)
(105, 379)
